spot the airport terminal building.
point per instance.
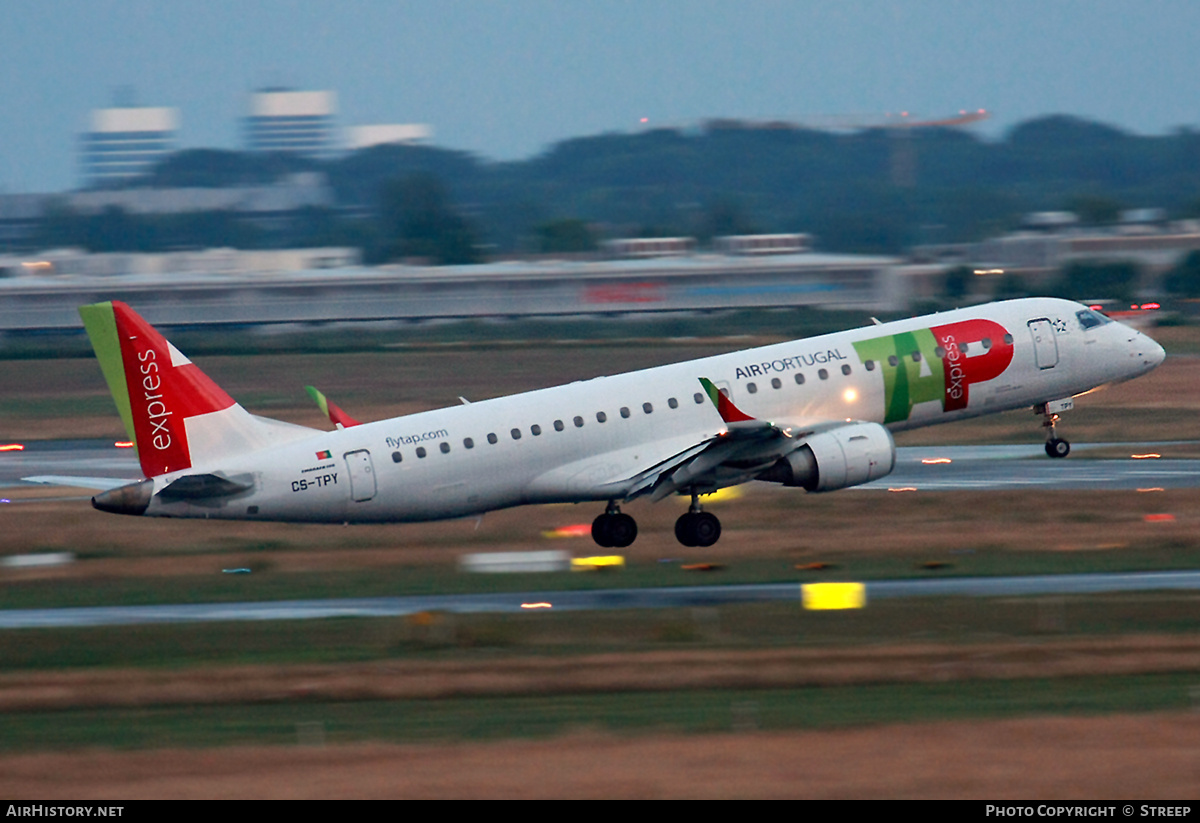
(224, 286)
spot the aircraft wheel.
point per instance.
(622, 530)
(698, 529)
(601, 531)
(684, 531)
(1057, 448)
(707, 529)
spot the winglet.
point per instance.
(336, 416)
(729, 412)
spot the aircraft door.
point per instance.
(1045, 346)
(362, 475)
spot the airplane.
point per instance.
(815, 413)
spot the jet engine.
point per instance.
(848, 455)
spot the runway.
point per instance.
(595, 600)
(921, 468)
(929, 468)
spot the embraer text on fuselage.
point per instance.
(785, 364)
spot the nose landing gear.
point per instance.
(1055, 445)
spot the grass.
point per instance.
(487, 636)
(419, 721)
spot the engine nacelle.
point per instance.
(849, 455)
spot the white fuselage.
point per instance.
(583, 440)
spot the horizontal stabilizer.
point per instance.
(99, 483)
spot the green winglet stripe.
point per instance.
(101, 326)
(729, 412)
(319, 399)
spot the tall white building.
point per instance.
(300, 122)
(126, 142)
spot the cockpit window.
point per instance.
(1090, 319)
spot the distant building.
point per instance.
(298, 122)
(362, 137)
(123, 143)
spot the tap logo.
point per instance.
(940, 363)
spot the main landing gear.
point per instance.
(614, 530)
(697, 527)
(1055, 445)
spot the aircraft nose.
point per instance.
(1148, 351)
(1156, 354)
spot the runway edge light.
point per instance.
(829, 596)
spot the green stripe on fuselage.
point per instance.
(101, 326)
(905, 384)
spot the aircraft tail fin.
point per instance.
(174, 413)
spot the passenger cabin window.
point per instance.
(493, 439)
(823, 374)
(535, 429)
(420, 451)
(468, 443)
(625, 412)
(1008, 339)
(601, 417)
(870, 364)
(987, 343)
(558, 425)
(516, 434)
(578, 422)
(846, 369)
(698, 397)
(939, 353)
(776, 383)
(397, 457)
(799, 379)
(752, 388)
(647, 408)
(916, 356)
(892, 361)
(445, 447)
(672, 402)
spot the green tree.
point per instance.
(1095, 210)
(567, 236)
(957, 282)
(418, 222)
(1184, 279)
(1098, 281)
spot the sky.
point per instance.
(506, 80)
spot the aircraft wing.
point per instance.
(744, 448)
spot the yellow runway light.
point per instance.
(826, 596)
(604, 561)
